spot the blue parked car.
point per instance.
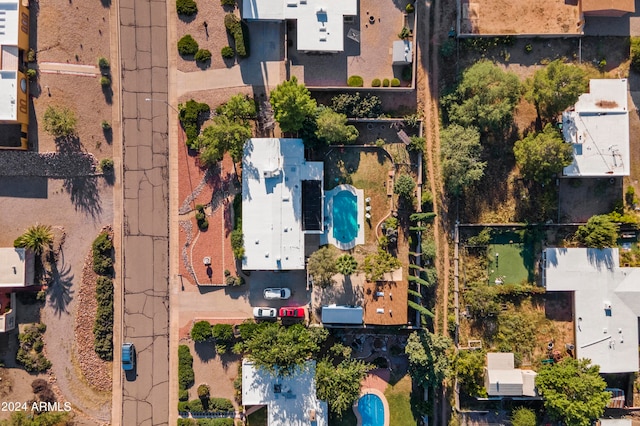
(128, 356)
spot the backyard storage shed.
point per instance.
(501, 378)
(402, 52)
(342, 315)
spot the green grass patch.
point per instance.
(513, 263)
(399, 399)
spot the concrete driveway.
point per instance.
(295, 280)
(628, 25)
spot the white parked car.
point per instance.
(265, 313)
(277, 293)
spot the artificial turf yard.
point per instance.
(513, 264)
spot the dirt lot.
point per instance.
(500, 17)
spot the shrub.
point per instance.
(227, 52)
(105, 81)
(185, 368)
(105, 125)
(202, 55)
(183, 395)
(203, 225)
(528, 48)
(355, 81)
(31, 74)
(106, 164)
(59, 122)
(376, 82)
(239, 33)
(211, 405)
(404, 33)
(187, 46)
(228, 2)
(103, 62)
(523, 417)
(237, 243)
(385, 82)
(186, 7)
(410, 8)
(189, 117)
(222, 332)
(28, 356)
(448, 48)
(354, 105)
(635, 54)
(203, 391)
(102, 248)
(31, 55)
(630, 196)
(404, 186)
(407, 73)
(395, 83)
(201, 331)
(234, 281)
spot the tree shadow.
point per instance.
(107, 91)
(187, 18)
(203, 65)
(84, 194)
(59, 291)
(108, 135)
(105, 3)
(206, 350)
(68, 144)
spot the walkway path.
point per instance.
(64, 68)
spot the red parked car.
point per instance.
(291, 313)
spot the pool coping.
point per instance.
(385, 405)
(327, 236)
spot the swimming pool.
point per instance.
(345, 216)
(371, 410)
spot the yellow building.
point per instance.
(14, 85)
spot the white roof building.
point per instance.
(290, 400)
(501, 378)
(606, 302)
(16, 267)
(320, 25)
(598, 129)
(9, 41)
(281, 201)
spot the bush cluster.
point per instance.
(211, 405)
(30, 350)
(187, 45)
(102, 249)
(190, 120)
(201, 218)
(106, 165)
(223, 334)
(239, 33)
(185, 368)
(234, 281)
(42, 389)
(103, 325)
(31, 55)
(237, 243)
(202, 55)
(186, 7)
(201, 331)
(355, 81)
(103, 63)
(355, 106)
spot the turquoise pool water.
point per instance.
(345, 217)
(371, 410)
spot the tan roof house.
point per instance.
(17, 270)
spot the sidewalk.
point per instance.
(71, 69)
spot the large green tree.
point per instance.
(469, 369)
(292, 104)
(573, 391)
(599, 232)
(460, 151)
(485, 98)
(238, 107)
(404, 186)
(281, 349)
(429, 361)
(37, 238)
(339, 384)
(322, 267)
(333, 127)
(378, 264)
(556, 87)
(540, 155)
(224, 135)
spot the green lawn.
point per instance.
(399, 399)
(259, 418)
(513, 264)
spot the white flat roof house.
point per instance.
(606, 299)
(281, 201)
(290, 400)
(598, 129)
(16, 267)
(320, 25)
(501, 378)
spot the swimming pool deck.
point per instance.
(380, 395)
(327, 237)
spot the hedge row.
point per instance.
(185, 367)
(102, 250)
(238, 31)
(103, 325)
(205, 422)
(211, 405)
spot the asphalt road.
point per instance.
(145, 243)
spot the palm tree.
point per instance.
(37, 238)
(346, 264)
